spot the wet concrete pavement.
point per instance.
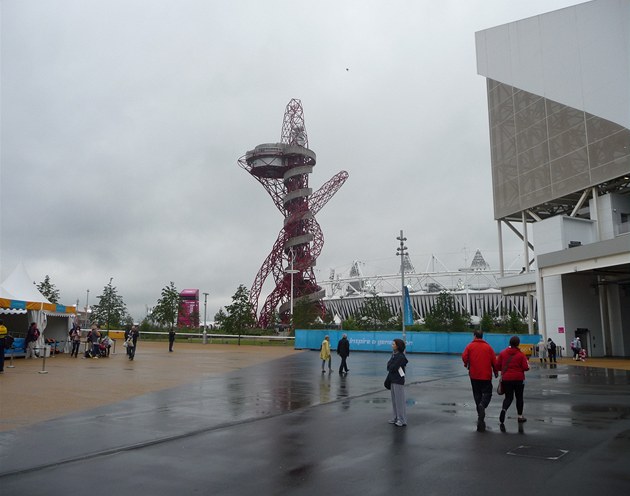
(282, 427)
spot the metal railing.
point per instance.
(238, 337)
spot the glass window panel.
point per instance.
(567, 142)
(533, 158)
(598, 128)
(564, 119)
(609, 149)
(530, 115)
(570, 165)
(532, 136)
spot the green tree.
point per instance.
(48, 289)
(111, 311)
(515, 322)
(304, 314)
(219, 317)
(487, 322)
(374, 313)
(444, 315)
(167, 307)
(239, 314)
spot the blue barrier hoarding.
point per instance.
(417, 342)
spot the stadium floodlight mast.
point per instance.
(401, 251)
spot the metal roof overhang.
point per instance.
(593, 257)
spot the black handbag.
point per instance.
(388, 382)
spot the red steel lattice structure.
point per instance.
(283, 169)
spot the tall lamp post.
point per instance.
(205, 305)
(109, 303)
(87, 299)
(401, 251)
(291, 271)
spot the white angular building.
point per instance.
(558, 88)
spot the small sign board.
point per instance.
(560, 330)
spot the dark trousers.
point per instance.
(552, 356)
(343, 367)
(482, 391)
(513, 388)
(170, 345)
(75, 348)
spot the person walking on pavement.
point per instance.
(576, 346)
(542, 350)
(481, 361)
(171, 339)
(343, 350)
(133, 342)
(513, 364)
(396, 379)
(551, 349)
(3, 335)
(325, 355)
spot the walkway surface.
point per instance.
(265, 421)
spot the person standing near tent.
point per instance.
(32, 335)
(75, 339)
(3, 335)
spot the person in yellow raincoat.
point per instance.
(325, 355)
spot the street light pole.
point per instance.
(291, 271)
(87, 299)
(401, 252)
(205, 305)
(109, 304)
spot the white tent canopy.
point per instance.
(20, 286)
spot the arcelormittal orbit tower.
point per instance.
(283, 169)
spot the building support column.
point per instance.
(525, 242)
(540, 295)
(501, 266)
(602, 287)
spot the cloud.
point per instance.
(122, 122)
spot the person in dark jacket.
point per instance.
(343, 350)
(396, 377)
(171, 339)
(513, 364)
(552, 349)
(481, 361)
(132, 339)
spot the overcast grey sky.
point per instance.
(122, 122)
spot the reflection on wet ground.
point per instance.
(283, 427)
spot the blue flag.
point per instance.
(408, 309)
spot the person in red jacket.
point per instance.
(513, 364)
(481, 361)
